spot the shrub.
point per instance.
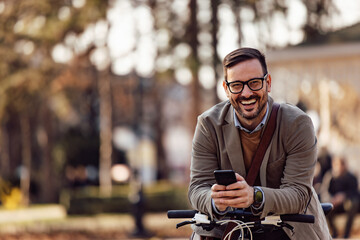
(158, 197)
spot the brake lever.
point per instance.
(184, 223)
(287, 226)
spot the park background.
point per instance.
(99, 100)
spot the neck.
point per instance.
(251, 124)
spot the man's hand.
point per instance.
(236, 195)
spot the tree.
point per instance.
(28, 34)
(318, 14)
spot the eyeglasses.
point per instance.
(255, 84)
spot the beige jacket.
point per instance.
(286, 172)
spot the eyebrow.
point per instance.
(249, 79)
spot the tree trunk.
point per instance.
(25, 175)
(193, 30)
(104, 87)
(162, 165)
(4, 153)
(214, 31)
(44, 135)
(236, 10)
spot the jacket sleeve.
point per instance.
(203, 163)
(295, 191)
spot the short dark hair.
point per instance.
(241, 55)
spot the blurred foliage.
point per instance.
(158, 197)
(28, 32)
(80, 149)
(10, 196)
(12, 200)
(36, 88)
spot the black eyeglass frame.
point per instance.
(247, 83)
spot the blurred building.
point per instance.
(323, 76)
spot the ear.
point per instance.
(226, 89)
(268, 82)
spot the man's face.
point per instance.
(250, 105)
(338, 167)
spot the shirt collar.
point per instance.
(258, 127)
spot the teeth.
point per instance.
(251, 101)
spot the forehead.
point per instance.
(245, 70)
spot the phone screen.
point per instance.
(225, 177)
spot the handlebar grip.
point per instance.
(298, 218)
(181, 213)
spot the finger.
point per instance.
(215, 195)
(239, 177)
(238, 185)
(221, 208)
(217, 187)
(242, 205)
(219, 205)
(224, 194)
(244, 193)
(243, 201)
(238, 202)
(232, 193)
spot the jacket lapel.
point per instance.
(234, 149)
(233, 144)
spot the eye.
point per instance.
(255, 82)
(237, 85)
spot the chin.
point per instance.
(249, 115)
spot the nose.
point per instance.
(246, 92)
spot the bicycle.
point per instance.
(244, 221)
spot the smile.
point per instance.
(248, 102)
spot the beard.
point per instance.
(262, 102)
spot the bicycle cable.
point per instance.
(239, 226)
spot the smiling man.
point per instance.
(228, 136)
(249, 102)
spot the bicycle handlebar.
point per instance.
(181, 213)
(304, 218)
(244, 221)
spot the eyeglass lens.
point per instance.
(254, 85)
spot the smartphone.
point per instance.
(225, 177)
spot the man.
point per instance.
(227, 137)
(340, 187)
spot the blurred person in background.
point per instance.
(323, 165)
(227, 136)
(340, 187)
(324, 159)
(317, 179)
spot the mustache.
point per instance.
(247, 98)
